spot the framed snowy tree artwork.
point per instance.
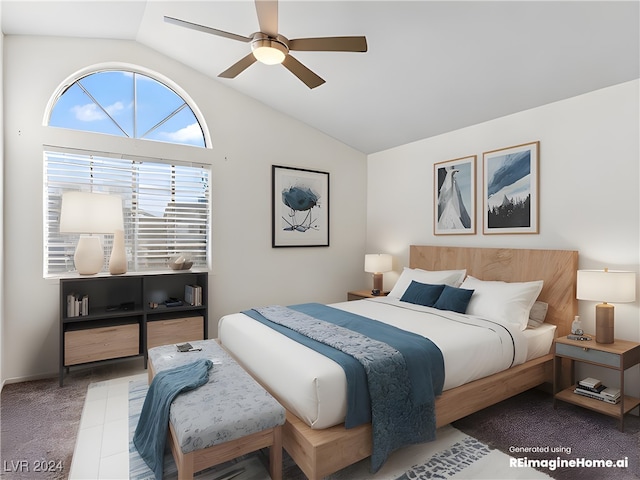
(510, 189)
(454, 206)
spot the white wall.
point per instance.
(246, 271)
(2, 303)
(589, 190)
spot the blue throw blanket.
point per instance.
(404, 371)
(151, 433)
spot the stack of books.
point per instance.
(77, 305)
(193, 295)
(593, 388)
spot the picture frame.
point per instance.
(300, 207)
(454, 202)
(510, 189)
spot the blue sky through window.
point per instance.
(107, 102)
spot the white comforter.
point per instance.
(313, 387)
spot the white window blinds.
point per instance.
(166, 207)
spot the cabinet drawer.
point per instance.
(93, 344)
(589, 355)
(175, 330)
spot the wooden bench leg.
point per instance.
(208, 457)
(185, 471)
(275, 455)
(184, 461)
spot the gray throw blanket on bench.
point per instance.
(151, 433)
(395, 418)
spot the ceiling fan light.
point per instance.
(269, 52)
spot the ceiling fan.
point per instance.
(271, 48)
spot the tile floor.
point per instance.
(102, 445)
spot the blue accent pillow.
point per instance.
(422, 293)
(454, 299)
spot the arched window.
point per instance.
(128, 104)
(166, 203)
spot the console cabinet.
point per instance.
(105, 317)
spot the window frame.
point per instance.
(85, 142)
(126, 67)
(150, 240)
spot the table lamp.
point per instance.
(606, 286)
(88, 214)
(377, 263)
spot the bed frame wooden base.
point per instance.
(319, 453)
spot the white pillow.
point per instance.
(501, 301)
(447, 277)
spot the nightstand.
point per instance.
(619, 355)
(361, 294)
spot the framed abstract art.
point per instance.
(300, 208)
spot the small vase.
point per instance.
(118, 259)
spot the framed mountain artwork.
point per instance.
(454, 206)
(510, 189)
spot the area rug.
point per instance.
(454, 455)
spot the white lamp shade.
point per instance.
(84, 212)
(378, 262)
(610, 286)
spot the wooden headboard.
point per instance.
(557, 268)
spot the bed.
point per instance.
(313, 434)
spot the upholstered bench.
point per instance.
(229, 416)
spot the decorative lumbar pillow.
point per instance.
(537, 314)
(454, 299)
(504, 302)
(422, 293)
(440, 277)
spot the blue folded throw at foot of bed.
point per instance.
(151, 433)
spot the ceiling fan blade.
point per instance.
(310, 79)
(329, 44)
(267, 11)
(202, 28)
(238, 67)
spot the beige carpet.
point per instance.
(39, 420)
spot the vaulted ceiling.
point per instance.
(431, 67)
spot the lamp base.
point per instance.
(377, 284)
(89, 256)
(604, 323)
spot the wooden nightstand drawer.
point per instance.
(175, 330)
(588, 354)
(93, 344)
